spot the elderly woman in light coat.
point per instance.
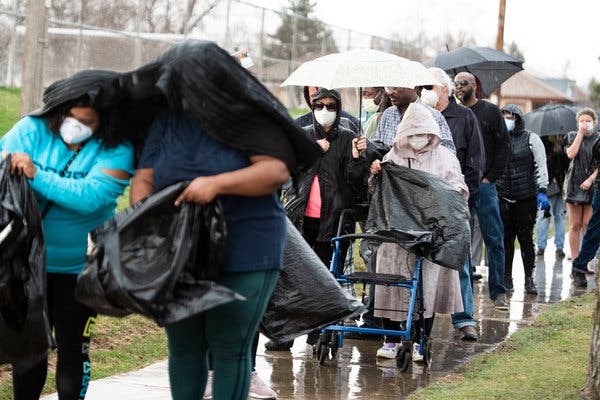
(417, 146)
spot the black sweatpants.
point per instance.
(324, 250)
(518, 219)
(72, 323)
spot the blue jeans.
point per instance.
(492, 230)
(465, 318)
(559, 213)
(591, 240)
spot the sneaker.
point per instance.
(259, 389)
(388, 350)
(208, 389)
(540, 252)
(468, 333)
(272, 345)
(530, 286)
(416, 355)
(500, 302)
(560, 253)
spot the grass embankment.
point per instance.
(9, 108)
(547, 360)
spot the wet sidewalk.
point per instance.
(357, 373)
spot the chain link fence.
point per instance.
(277, 41)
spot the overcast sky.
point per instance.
(557, 37)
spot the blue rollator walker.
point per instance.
(332, 336)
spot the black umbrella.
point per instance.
(492, 67)
(552, 119)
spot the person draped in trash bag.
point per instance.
(77, 169)
(417, 146)
(580, 177)
(522, 191)
(326, 187)
(178, 149)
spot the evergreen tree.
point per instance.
(300, 36)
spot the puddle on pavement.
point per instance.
(357, 374)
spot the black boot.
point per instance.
(508, 282)
(579, 279)
(530, 286)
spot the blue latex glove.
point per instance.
(542, 201)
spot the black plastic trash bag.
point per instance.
(307, 296)
(25, 334)
(424, 213)
(155, 258)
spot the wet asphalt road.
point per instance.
(357, 373)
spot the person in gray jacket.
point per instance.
(522, 190)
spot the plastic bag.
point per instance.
(306, 296)
(25, 334)
(155, 258)
(424, 213)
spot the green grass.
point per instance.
(118, 345)
(9, 108)
(547, 360)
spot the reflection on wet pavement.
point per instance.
(357, 374)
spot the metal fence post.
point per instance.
(261, 46)
(33, 55)
(12, 49)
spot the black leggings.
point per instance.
(72, 323)
(518, 219)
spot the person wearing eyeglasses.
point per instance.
(347, 120)
(401, 98)
(327, 186)
(497, 150)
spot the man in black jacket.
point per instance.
(497, 150)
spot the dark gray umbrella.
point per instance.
(491, 66)
(552, 119)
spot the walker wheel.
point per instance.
(322, 352)
(427, 351)
(404, 357)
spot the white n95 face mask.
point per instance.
(73, 131)
(418, 142)
(429, 97)
(589, 126)
(325, 117)
(369, 105)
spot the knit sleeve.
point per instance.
(539, 159)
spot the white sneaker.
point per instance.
(388, 350)
(416, 356)
(208, 389)
(259, 389)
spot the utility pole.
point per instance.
(500, 39)
(500, 32)
(33, 55)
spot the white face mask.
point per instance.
(589, 126)
(73, 131)
(429, 97)
(418, 142)
(369, 105)
(325, 118)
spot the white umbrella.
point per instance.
(361, 68)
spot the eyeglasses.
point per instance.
(328, 106)
(464, 82)
(390, 88)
